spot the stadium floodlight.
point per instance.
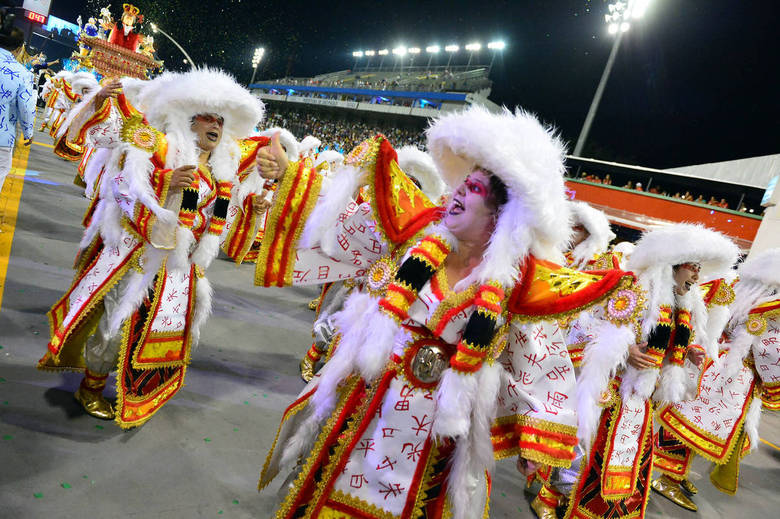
(399, 51)
(413, 50)
(496, 45)
(370, 53)
(357, 54)
(638, 8)
(452, 48)
(257, 57)
(473, 47)
(383, 52)
(432, 49)
(618, 23)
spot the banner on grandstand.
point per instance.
(322, 102)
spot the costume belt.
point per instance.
(425, 358)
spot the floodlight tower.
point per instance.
(256, 58)
(472, 48)
(413, 51)
(357, 55)
(452, 49)
(400, 52)
(383, 53)
(369, 54)
(431, 50)
(496, 47)
(618, 22)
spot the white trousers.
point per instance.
(101, 351)
(6, 157)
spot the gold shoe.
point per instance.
(94, 404)
(543, 510)
(314, 303)
(688, 486)
(671, 490)
(307, 368)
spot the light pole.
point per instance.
(369, 54)
(156, 29)
(452, 49)
(357, 55)
(400, 52)
(472, 48)
(383, 53)
(432, 50)
(256, 58)
(496, 47)
(413, 51)
(618, 22)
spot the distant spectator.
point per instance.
(608, 180)
(699, 199)
(723, 203)
(638, 186)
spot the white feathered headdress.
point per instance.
(83, 82)
(418, 164)
(308, 144)
(173, 98)
(528, 157)
(600, 234)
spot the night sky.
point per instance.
(695, 80)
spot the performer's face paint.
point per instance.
(686, 275)
(579, 235)
(471, 215)
(208, 128)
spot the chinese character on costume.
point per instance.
(721, 423)
(140, 294)
(617, 387)
(432, 374)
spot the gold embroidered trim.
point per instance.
(337, 496)
(285, 507)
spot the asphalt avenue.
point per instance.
(200, 456)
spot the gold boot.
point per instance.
(671, 490)
(90, 396)
(688, 486)
(314, 303)
(545, 502)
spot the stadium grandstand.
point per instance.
(343, 107)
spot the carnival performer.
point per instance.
(617, 387)
(140, 295)
(81, 84)
(590, 238)
(421, 170)
(721, 423)
(308, 146)
(588, 250)
(52, 93)
(64, 100)
(407, 415)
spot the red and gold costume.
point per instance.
(140, 293)
(616, 417)
(375, 417)
(721, 423)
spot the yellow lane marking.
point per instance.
(770, 444)
(9, 208)
(44, 144)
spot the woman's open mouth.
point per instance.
(212, 136)
(688, 285)
(456, 207)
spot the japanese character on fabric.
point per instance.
(354, 246)
(95, 280)
(381, 468)
(17, 99)
(766, 354)
(536, 407)
(629, 437)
